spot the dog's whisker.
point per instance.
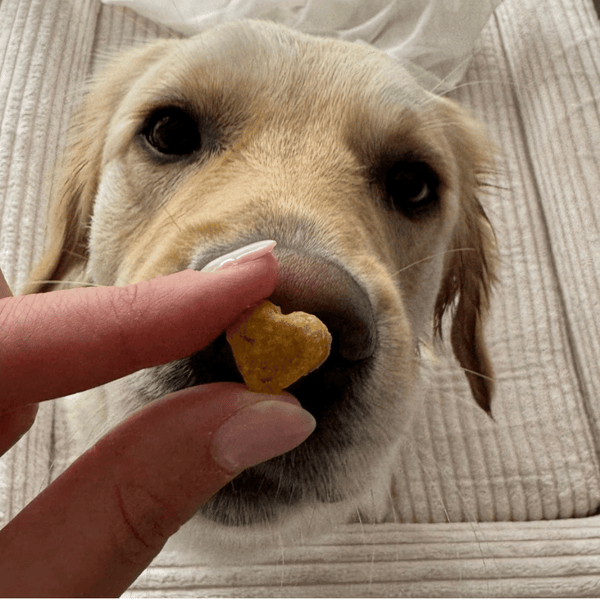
(477, 374)
(494, 186)
(432, 257)
(63, 282)
(471, 518)
(164, 208)
(449, 76)
(477, 82)
(433, 483)
(76, 254)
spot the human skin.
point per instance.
(97, 527)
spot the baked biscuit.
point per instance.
(273, 350)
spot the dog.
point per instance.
(184, 150)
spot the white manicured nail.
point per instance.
(241, 255)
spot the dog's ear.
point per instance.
(469, 270)
(76, 182)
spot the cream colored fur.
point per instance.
(304, 132)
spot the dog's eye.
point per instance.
(411, 187)
(172, 131)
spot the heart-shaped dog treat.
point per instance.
(272, 350)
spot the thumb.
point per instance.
(97, 527)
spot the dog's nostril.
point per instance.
(319, 286)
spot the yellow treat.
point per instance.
(272, 350)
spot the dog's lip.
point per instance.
(263, 493)
(317, 391)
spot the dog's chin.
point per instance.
(315, 471)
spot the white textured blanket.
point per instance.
(461, 479)
(436, 37)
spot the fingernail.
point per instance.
(259, 432)
(241, 255)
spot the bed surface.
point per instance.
(502, 507)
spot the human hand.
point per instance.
(96, 528)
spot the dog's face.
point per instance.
(187, 149)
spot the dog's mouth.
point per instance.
(310, 472)
(332, 393)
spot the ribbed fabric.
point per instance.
(447, 560)
(44, 49)
(535, 83)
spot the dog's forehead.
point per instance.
(256, 76)
(261, 62)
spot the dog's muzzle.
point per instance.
(318, 286)
(332, 393)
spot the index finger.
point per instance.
(67, 341)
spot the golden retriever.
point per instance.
(184, 150)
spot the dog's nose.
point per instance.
(327, 290)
